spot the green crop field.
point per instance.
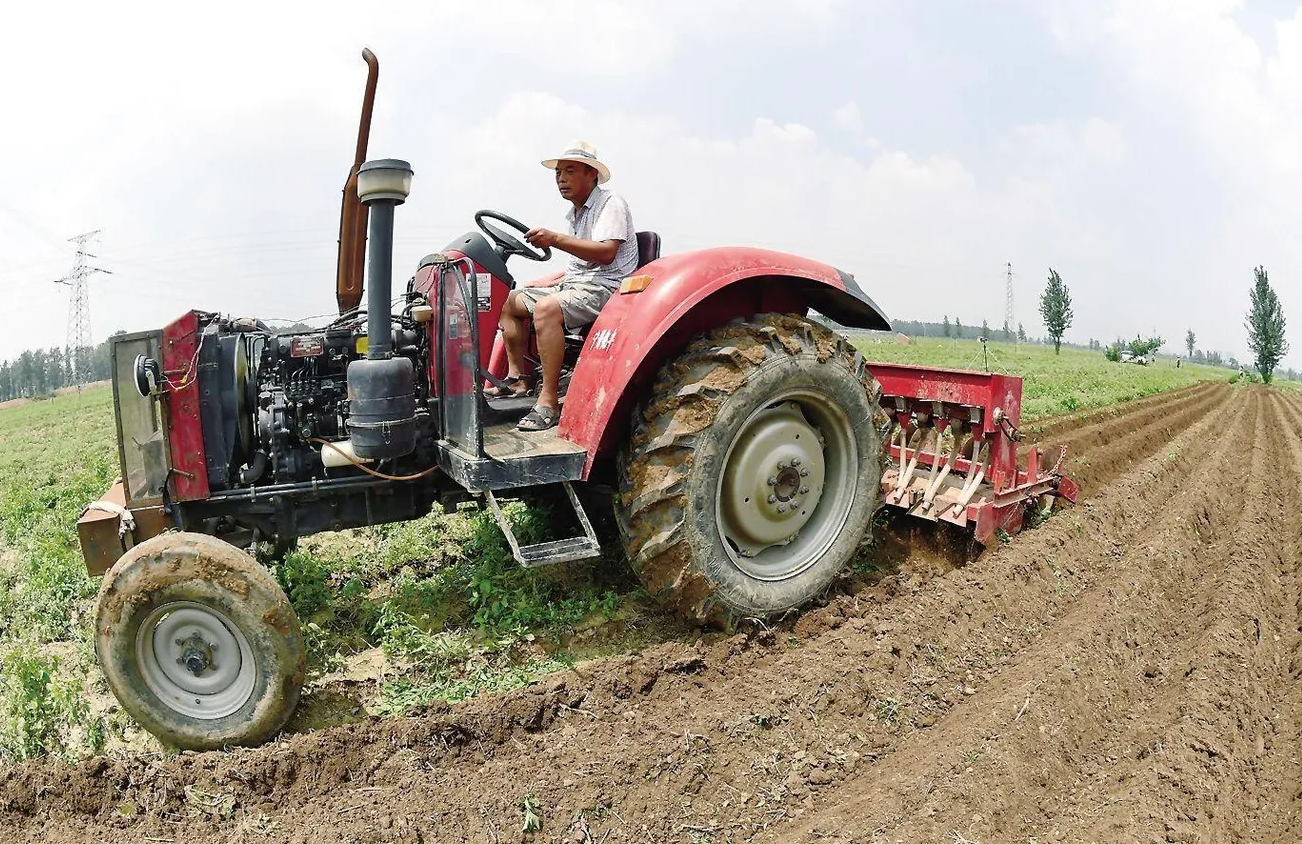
(1052, 384)
(396, 617)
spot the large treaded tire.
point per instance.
(156, 597)
(671, 472)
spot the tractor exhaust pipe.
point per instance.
(382, 388)
(352, 216)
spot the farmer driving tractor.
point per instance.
(603, 249)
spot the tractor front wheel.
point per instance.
(199, 643)
(753, 471)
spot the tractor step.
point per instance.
(568, 550)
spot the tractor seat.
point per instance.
(648, 249)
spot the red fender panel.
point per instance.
(691, 292)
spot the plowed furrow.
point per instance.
(1098, 453)
(1277, 810)
(1142, 714)
(1187, 767)
(1054, 425)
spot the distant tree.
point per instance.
(1113, 352)
(57, 368)
(1008, 332)
(1265, 324)
(1189, 339)
(958, 327)
(1290, 375)
(1199, 356)
(1232, 362)
(1215, 359)
(945, 327)
(1138, 346)
(1055, 308)
(1021, 333)
(985, 329)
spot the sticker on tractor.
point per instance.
(604, 338)
(306, 347)
(483, 291)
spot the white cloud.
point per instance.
(847, 119)
(923, 233)
(1230, 110)
(1063, 145)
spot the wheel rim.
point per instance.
(787, 486)
(196, 660)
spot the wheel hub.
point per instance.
(198, 656)
(773, 480)
(195, 660)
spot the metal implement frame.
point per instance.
(985, 490)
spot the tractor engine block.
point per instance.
(302, 395)
(280, 397)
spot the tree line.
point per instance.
(39, 372)
(1265, 324)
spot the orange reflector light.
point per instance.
(634, 284)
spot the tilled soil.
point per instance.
(1128, 671)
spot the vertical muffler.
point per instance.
(381, 388)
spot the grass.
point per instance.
(1052, 384)
(436, 604)
(55, 456)
(444, 602)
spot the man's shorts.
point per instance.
(580, 301)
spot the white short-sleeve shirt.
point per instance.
(604, 216)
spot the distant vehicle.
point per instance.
(1142, 360)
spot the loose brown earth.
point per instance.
(1129, 671)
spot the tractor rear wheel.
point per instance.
(753, 470)
(199, 643)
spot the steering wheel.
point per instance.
(509, 244)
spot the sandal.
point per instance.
(539, 419)
(505, 389)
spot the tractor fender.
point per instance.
(689, 293)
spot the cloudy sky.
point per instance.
(1149, 150)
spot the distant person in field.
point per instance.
(600, 237)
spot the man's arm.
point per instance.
(598, 251)
(613, 227)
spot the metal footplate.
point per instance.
(549, 553)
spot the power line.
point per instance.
(76, 348)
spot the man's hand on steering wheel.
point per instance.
(509, 244)
(542, 238)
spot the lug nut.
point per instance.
(795, 461)
(804, 473)
(782, 464)
(773, 481)
(804, 490)
(782, 508)
(180, 641)
(773, 499)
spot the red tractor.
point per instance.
(745, 446)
